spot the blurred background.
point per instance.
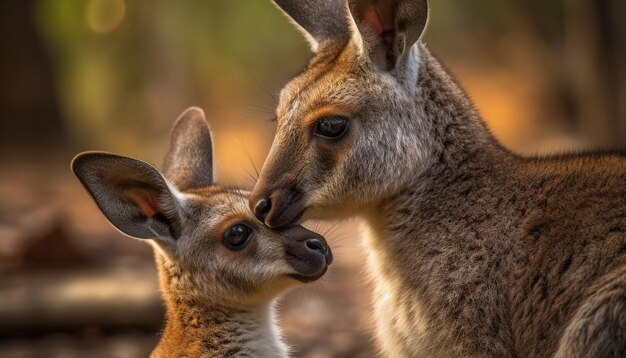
(548, 76)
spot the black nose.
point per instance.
(316, 244)
(319, 245)
(262, 208)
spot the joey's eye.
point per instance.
(237, 236)
(331, 127)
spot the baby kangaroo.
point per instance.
(220, 269)
(474, 251)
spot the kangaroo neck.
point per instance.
(213, 330)
(418, 236)
(450, 133)
(459, 144)
(199, 327)
(455, 130)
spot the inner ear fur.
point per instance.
(387, 29)
(131, 194)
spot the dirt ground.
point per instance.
(72, 286)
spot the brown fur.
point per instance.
(474, 250)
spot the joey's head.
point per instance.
(208, 245)
(349, 130)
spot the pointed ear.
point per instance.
(319, 20)
(132, 195)
(189, 160)
(387, 29)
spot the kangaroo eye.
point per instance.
(331, 127)
(237, 236)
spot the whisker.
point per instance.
(256, 170)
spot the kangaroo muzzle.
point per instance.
(277, 208)
(307, 253)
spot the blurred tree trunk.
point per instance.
(28, 108)
(596, 54)
(589, 69)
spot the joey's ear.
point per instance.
(319, 20)
(132, 195)
(189, 160)
(387, 29)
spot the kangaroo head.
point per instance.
(208, 245)
(348, 121)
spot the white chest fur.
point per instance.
(401, 329)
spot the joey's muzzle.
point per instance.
(307, 253)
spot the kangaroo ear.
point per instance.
(387, 29)
(319, 20)
(132, 195)
(189, 160)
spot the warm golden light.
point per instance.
(105, 15)
(235, 149)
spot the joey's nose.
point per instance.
(262, 208)
(315, 244)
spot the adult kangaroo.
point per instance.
(474, 251)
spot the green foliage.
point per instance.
(122, 76)
(163, 56)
